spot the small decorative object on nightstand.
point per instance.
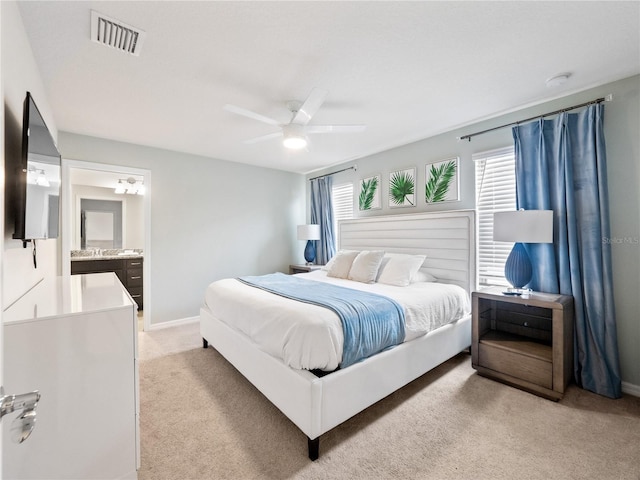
(310, 233)
(303, 268)
(525, 341)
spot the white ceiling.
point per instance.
(408, 70)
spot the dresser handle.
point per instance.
(135, 278)
(136, 296)
(135, 263)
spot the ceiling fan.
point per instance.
(295, 132)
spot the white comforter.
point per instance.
(307, 336)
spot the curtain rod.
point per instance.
(353, 167)
(608, 98)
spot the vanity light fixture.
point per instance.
(37, 177)
(120, 188)
(131, 186)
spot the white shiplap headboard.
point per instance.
(447, 239)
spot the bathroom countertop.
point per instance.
(105, 257)
(105, 254)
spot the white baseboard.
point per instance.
(173, 323)
(631, 389)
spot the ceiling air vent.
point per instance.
(116, 34)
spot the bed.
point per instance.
(317, 403)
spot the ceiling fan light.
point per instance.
(294, 137)
(295, 142)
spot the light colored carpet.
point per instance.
(159, 343)
(200, 419)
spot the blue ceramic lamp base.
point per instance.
(310, 252)
(518, 270)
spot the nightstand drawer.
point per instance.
(530, 369)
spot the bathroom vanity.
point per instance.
(127, 266)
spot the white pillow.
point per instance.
(340, 264)
(386, 258)
(365, 266)
(399, 269)
(423, 276)
(328, 265)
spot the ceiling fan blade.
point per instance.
(310, 106)
(248, 113)
(262, 138)
(334, 128)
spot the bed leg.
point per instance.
(314, 448)
(205, 344)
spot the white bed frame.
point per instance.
(318, 404)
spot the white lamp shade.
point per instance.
(523, 226)
(308, 232)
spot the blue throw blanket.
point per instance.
(370, 322)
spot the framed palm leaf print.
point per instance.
(442, 182)
(369, 198)
(402, 188)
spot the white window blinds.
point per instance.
(342, 199)
(495, 192)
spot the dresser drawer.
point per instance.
(524, 367)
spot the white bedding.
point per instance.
(310, 337)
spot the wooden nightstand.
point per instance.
(303, 268)
(525, 341)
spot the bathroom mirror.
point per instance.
(100, 224)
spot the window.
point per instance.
(342, 200)
(495, 192)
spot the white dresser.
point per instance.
(75, 340)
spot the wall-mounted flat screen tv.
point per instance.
(38, 179)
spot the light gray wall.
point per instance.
(210, 219)
(19, 75)
(622, 132)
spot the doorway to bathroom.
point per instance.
(106, 222)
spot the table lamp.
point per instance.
(310, 233)
(522, 226)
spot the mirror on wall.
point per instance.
(100, 224)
